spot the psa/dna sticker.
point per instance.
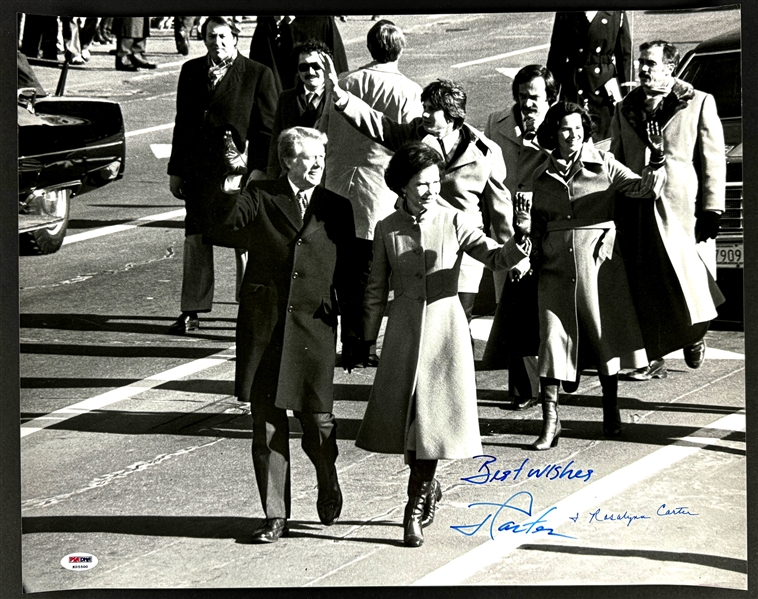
(79, 561)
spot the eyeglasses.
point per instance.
(304, 67)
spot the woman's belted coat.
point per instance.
(585, 306)
(426, 371)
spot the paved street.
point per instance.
(134, 450)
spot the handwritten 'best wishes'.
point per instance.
(488, 474)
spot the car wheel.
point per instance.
(50, 239)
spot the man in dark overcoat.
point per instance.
(300, 277)
(222, 92)
(591, 57)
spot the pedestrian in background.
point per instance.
(131, 41)
(219, 93)
(514, 336)
(303, 105)
(423, 400)
(355, 163)
(591, 57)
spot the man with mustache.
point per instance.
(514, 337)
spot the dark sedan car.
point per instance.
(67, 146)
(714, 66)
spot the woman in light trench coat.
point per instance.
(423, 401)
(585, 308)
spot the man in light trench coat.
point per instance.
(671, 243)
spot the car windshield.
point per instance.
(718, 74)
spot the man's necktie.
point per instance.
(302, 202)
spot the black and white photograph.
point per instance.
(395, 301)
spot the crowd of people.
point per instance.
(355, 197)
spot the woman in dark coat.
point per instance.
(423, 401)
(585, 307)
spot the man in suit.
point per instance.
(591, 57)
(672, 241)
(275, 37)
(514, 337)
(355, 163)
(222, 92)
(300, 277)
(303, 105)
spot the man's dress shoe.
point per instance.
(270, 530)
(122, 66)
(183, 324)
(329, 501)
(655, 370)
(523, 403)
(694, 355)
(140, 62)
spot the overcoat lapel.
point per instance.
(230, 81)
(285, 202)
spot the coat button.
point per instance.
(598, 49)
(295, 274)
(579, 70)
(580, 50)
(417, 250)
(604, 21)
(568, 217)
(573, 280)
(571, 250)
(290, 309)
(580, 92)
(419, 275)
(299, 242)
(597, 69)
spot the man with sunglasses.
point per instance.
(303, 105)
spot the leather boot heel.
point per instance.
(611, 414)
(551, 425)
(413, 532)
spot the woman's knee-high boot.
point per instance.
(611, 415)
(419, 485)
(551, 426)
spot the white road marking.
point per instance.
(149, 129)
(161, 150)
(110, 397)
(458, 570)
(174, 214)
(508, 71)
(500, 56)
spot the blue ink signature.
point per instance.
(485, 474)
(626, 516)
(677, 511)
(532, 527)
